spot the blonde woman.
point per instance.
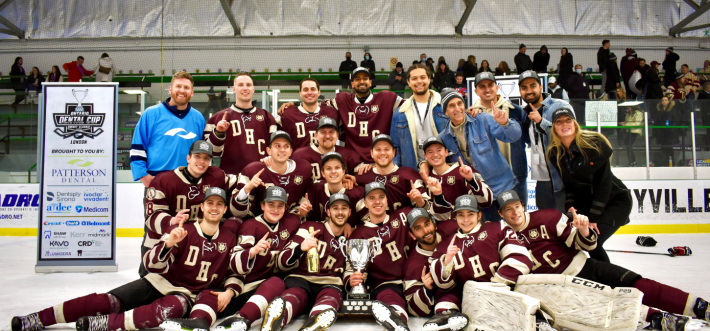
(470, 68)
(627, 137)
(583, 160)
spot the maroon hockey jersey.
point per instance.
(388, 265)
(265, 264)
(397, 183)
(246, 139)
(295, 181)
(332, 261)
(489, 253)
(555, 245)
(362, 122)
(301, 125)
(194, 264)
(314, 157)
(453, 185)
(170, 192)
(318, 195)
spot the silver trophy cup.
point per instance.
(359, 252)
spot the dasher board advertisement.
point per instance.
(77, 214)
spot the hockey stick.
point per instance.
(634, 252)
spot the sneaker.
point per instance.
(321, 321)
(700, 309)
(180, 324)
(233, 323)
(92, 323)
(30, 322)
(388, 317)
(274, 316)
(449, 320)
(672, 322)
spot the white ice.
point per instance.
(22, 291)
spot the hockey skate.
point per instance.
(701, 309)
(233, 323)
(274, 315)
(179, 324)
(30, 322)
(388, 317)
(92, 323)
(672, 322)
(449, 320)
(321, 321)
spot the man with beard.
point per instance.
(557, 245)
(420, 115)
(419, 287)
(549, 190)
(241, 132)
(403, 184)
(301, 122)
(327, 136)
(384, 275)
(317, 286)
(294, 176)
(363, 114)
(446, 182)
(175, 196)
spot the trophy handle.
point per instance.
(343, 243)
(377, 245)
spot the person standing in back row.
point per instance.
(346, 66)
(603, 58)
(669, 66)
(522, 60)
(541, 60)
(76, 70)
(105, 69)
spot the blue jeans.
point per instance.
(545, 197)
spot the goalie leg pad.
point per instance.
(493, 307)
(581, 304)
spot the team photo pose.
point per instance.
(301, 122)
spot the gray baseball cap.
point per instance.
(331, 155)
(506, 197)
(466, 202)
(275, 193)
(326, 121)
(374, 186)
(528, 74)
(201, 147)
(358, 70)
(338, 197)
(212, 191)
(484, 76)
(382, 137)
(433, 141)
(279, 134)
(416, 214)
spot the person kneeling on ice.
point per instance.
(557, 246)
(177, 283)
(313, 282)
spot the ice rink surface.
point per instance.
(22, 291)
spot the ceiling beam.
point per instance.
(692, 3)
(466, 13)
(5, 4)
(228, 11)
(11, 28)
(679, 28)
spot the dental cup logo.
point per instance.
(79, 120)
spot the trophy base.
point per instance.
(357, 304)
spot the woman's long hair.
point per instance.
(488, 66)
(17, 59)
(586, 140)
(471, 59)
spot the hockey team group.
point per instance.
(436, 187)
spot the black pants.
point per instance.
(608, 274)
(311, 289)
(627, 140)
(19, 97)
(616, 214)
(137, 293)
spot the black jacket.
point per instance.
(578, 87)
(612, 76)
(653, 85)
(17, 71)
(469, 70)
(444, 79)
(566, 69)
(522, 62)
(670, 62)
(369, 64)
(589, 183)
(541, 61)
(702, 95)
(31, 80)
(349, 66)
(602, 58)
(394, 84)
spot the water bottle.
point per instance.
(668, 123)
(670, 161)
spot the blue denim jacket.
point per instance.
(518, 157)
(402, 130)
(481, 134)
(546, 124)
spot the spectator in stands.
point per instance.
(704, 104)
(503, 69)
(368, 63)
(75, 70)
(705, 95)
(564, 68)
(642, 68)
(422, 58)
(459, 68)
(541, 60)
(460, 85)
(578, 91)
(654, 90)
(706, 69)
(628, 65)
(470, 68)
(55, 75)
(676, 90)
(556, 91)
(522, 60)
(667, 114)
(627, 137)
(485, 67)
(430, 64)
(612, 77)
(348, 65)
(603, 59)
(18, 82)
(443, 77)
(34, 80)
(105, 69)
(691, 82)
(397, 80)
(669, 66)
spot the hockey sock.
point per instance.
(149, 316)
(256, 306)
(205, 307)
(665, 297)
(393, 299)
(328, 297)
(647, 313)
(89, 305)
(296, 300)
(447, 301)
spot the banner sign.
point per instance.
(507, 87)
(77, 213)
